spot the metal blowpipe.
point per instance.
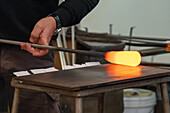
(89, 53)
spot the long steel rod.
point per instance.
(82, 33)
(89, 53)
(110, 37)
(154, 51)
(146, 44)
(148, 52)
(155, 64)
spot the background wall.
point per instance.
(151, 18)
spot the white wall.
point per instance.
(151, 18)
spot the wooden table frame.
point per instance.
(78, 95)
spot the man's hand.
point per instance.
(41, 34)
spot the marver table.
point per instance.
(86, 81)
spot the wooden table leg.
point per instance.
(101, 103)
(79, 105)
(15, 105)
(165, 99)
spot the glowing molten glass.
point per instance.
(130, 58)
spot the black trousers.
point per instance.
(13, 59)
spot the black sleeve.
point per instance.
(71, 12)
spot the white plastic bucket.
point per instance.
(139, 101)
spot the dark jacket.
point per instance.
(17, 18)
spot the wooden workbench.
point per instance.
(82, 82)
